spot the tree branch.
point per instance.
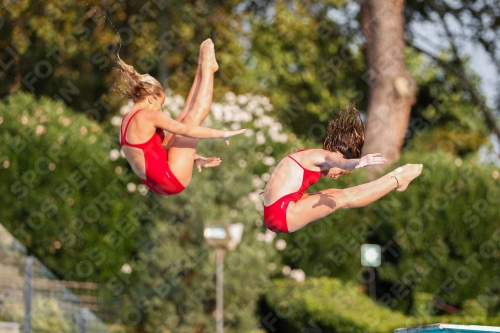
(465, 83)
(490, 119)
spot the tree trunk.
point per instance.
(392, 89)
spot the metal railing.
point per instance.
(31, 295)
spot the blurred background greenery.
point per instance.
(285, 66)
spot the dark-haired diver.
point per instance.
(286, 205)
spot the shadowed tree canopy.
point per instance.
(309, 64)
(71, 56)
(456, 24)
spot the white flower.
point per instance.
(217, 111)
(269, 236)
(268, 160)
(256, 199)
(260, 138)
(114, 154)
(131, 187)
(298, 275)
(235, 126)
(143, 190)
(264, 121)
(126, 108)
(281, 244)
(126, 269)
(257, 182)
(116, 121)
(179, 100)
(242, 99)
(40, 129)
(230, 97)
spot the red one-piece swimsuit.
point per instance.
(159, 177)
(275, 214)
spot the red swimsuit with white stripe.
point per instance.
(159, 177)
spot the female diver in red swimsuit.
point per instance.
(287, 207)
(164, 163)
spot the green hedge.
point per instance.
(62, 195)
(329, 305)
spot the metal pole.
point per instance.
(219, 317)
(373, 291)
(28, 274)
(82, 325)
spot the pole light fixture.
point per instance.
(371, 256)
(216, 236)
(221, 236)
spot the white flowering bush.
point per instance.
(235, 112)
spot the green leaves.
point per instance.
(444, 115)
(302, 61)
(334, 306)
(64, 190)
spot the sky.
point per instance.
(428, 36)
(431, 37)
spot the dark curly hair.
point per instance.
(134, 86)
(346, 133)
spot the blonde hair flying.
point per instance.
(134, 86)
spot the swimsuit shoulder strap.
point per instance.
(290, 155)
(124, 133)
(305, 170)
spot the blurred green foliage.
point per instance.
(66, 49)
(79, 212)
(329, 305)
(307, 63)
(47, 316)
(78, 207)
(444, 116)
(63, 199)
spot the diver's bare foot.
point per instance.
(200, 56)
(208, 61)
(398, 170)
(409, 172)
